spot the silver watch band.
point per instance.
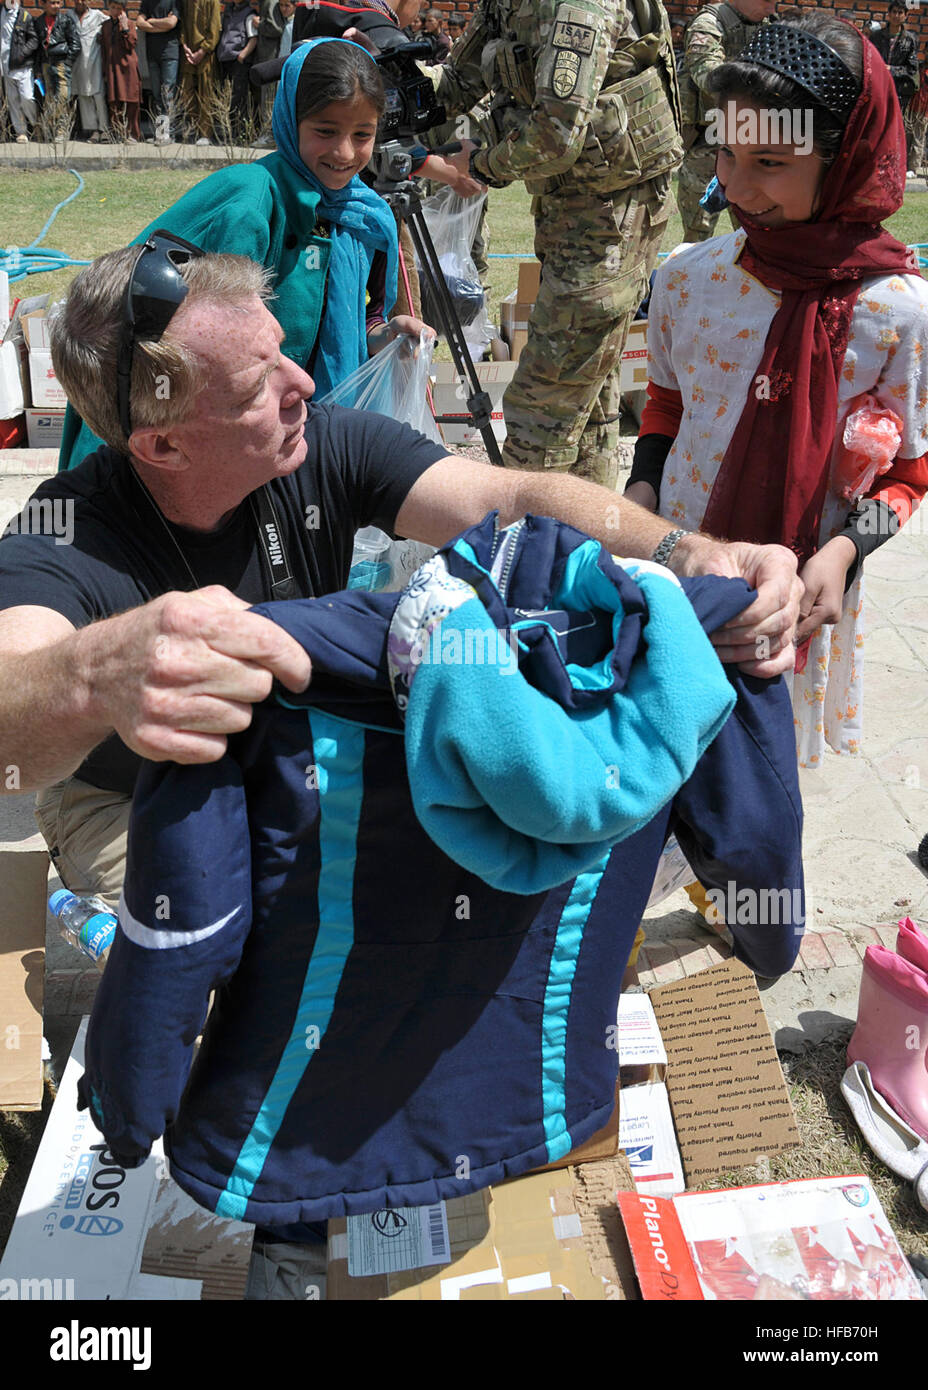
(666, 548)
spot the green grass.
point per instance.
(117, 203)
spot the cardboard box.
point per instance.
(151, 1241)
(529, 282)
(47, 391)
(24, 307)
(35, 330)
(647, 1137)
(634, 370)
(521, 1239)
(44, 428)
(513, 323)
(601, 1145)
(450, 398)
(13, 381)
(596, 1186)
(642, 1056)
(727, 1093)
(23, 887)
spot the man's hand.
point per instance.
(461, 160)
(824, 577)
(443, 169)
(356, 36)
(175, 677)
(759, 640)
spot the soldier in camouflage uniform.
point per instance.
(585, 110)
(718, 33)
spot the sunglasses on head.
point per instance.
(155, 292)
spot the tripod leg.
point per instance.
(478, 402)
(409, 279)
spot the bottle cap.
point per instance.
(58, 900)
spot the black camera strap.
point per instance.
(271, 544)
(279, 582)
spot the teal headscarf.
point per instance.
(361, 224)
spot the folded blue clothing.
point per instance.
(526, 765)
(391, 1026)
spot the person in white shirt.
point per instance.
(18, 46)
(87, 74)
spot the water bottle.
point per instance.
(86, 922)
(370, 565)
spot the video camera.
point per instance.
(411, 106)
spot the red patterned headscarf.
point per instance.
(772, 482)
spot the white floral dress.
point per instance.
(707, 326)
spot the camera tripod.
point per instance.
(395, 186)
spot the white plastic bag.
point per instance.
(393, 383)
(452, 224)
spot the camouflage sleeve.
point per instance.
(704, 49)
(576, 42)
(458, 82)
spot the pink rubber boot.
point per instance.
(912, 944)
(892, 1033)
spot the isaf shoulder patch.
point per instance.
(578, 37)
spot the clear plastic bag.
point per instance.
(393, 383)
(452, 223)
(871, 439)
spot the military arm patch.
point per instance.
(578, 37)
(571, 44)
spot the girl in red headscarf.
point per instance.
(766, 342)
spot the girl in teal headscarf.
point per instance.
(304, 213)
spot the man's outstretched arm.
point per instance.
(456, 492)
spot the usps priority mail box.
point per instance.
(88, 1228)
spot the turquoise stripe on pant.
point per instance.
(338, 753)
(561, 970)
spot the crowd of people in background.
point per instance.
(179, 66)
(182, 67)
(94, 73)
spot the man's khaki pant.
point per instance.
(85, 830)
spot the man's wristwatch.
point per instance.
(666, 548)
